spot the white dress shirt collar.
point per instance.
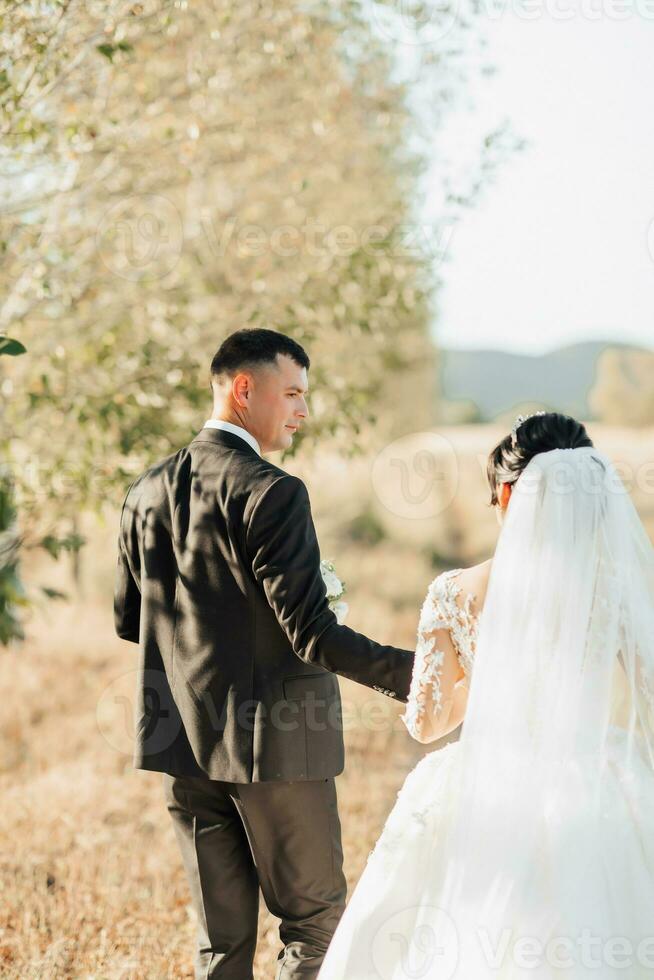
(236, 430)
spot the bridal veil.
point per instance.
(544, 849)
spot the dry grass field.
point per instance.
(91, 880)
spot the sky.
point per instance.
(560, 248)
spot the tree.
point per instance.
(172, 172)
(12, 593)
(623, 393)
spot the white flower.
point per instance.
(340, 609)
(335, 590)
(333, 584)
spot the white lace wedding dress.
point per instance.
(377, 936)
(390, 883)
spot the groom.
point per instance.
(219, 581)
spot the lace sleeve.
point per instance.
(435, 656)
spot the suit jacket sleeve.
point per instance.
(127, 594)
(285, 557)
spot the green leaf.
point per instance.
(54, 545)
(53, 593)
(51, 544)
(107, 50)
(11, 347)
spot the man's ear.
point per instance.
(241, 389)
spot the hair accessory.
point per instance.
(521, 419)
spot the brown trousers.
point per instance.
(282, 837)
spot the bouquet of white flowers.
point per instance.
(335, 590)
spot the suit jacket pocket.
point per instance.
(310, 687)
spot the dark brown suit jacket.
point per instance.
(218, 580)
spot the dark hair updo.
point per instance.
(539, 434)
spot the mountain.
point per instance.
(498, 381)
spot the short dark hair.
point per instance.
(248, 348)
(539, 434)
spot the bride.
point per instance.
(526, 849)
